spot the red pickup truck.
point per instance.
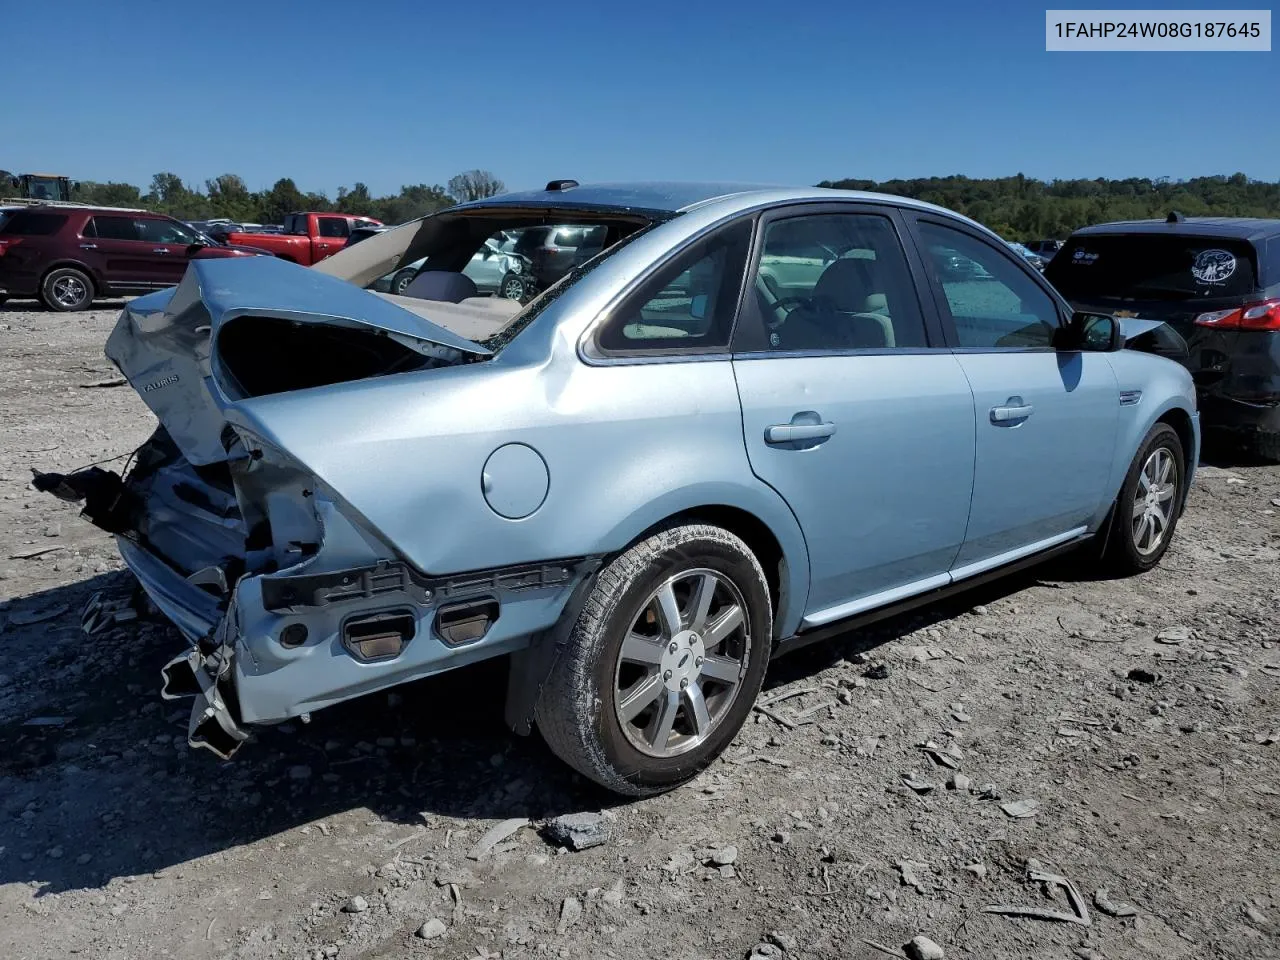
(308, 237)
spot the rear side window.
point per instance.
(334, 227)
(111, 228)
(688, 306)
(23, 224)
(1153, 267)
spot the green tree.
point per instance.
(475, 185)
(110, 194)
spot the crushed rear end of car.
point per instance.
(291, 599)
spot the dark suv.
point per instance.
(68, 256)
(1216, 281)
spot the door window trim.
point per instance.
(933, 330)
(591, 352)
(943, 307)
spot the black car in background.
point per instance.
(1214, 280)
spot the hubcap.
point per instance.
(682, 663)
(1154, 504)
(68, 291)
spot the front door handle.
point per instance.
(88, 246)
(1012, 411)
(781, 433)
(160, 250)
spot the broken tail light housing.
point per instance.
(1264, 315)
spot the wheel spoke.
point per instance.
(639, 649)
(1140, 532)
(696, 705)
(1165, 465)
(668, 611)
(700, 603)
(728, 621)
(722, 669)
(1144, 482)
(1158, 523)
(1165, 492)
(664, 719)
(639, 695)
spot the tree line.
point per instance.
(1017, 207)
(228, 196)
(1022, 208)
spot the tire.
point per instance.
(579, 714)
(1132, 546)
(401, 280)
(511, 287)
(65, 289)
(1266, 446)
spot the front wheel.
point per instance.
(67, 289)
(664, 663)
(400, 282)
(511, 287)
(1146, 511)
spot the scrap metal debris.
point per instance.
(1080, 914)
(1102, 900)
(25, 618)
(917, 783)
(100, 613)
(495, 835)
(1021, 809)
(948, 756)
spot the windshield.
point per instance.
(1143, 266)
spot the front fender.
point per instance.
(1161, 386)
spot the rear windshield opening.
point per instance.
(1138, 267)
(266, 355)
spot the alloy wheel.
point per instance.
(69, 291)
(1155, 501)
(682, 662)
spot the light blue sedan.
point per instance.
(640, 487)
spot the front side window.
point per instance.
(836, 282)
(688, 306)
(154, 230)
(993, 302)
(334, 227)
(113, 228)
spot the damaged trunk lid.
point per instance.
(237, 328)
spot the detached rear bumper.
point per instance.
(287, 645)
(1240, 392)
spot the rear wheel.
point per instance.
(664, 663)
(67, 288)
(1146, 511)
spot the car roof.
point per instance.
(1238, 228)
(670, 198)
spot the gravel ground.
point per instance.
(1135, 721)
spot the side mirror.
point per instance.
(1094, 332)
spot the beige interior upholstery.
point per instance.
(474, 318)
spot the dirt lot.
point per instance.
(1140, 716)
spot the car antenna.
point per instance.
(561, 185)
(1174, 217)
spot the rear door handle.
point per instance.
(1011, 411)
(160, 250)
(798, 432)
(88, 246)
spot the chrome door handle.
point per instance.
(159, 250)
(793, 432)
(1012, 409)
(88, 246)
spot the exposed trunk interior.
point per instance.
(268, 355)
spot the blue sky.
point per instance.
(390, 92)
